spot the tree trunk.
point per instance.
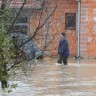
(4, 84)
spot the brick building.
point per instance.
(81, 35)
(76, 17)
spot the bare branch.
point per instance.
(39, 27)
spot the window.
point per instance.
(70, 21)
(20, 29)
(22, 20)
(28, 1)
(22, 25)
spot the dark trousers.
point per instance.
(64, 59)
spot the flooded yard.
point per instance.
(46, 79)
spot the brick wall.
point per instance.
(35, 22)
(57, 24)
(88, 28)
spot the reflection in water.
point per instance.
(47, 79)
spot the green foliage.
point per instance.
(6, 44)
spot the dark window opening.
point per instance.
(21, 29)
(22, 20)
(70, 21)
(22, 25)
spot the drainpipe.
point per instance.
(79, 11)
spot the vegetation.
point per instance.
(6, 44)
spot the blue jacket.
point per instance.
(63, 48)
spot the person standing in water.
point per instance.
(63, 50)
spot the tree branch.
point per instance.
(16, 16)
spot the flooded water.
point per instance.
(46, 79)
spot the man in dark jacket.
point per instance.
(63, 50)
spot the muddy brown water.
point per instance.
(78, 78)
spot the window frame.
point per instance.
(67, 21)
(21, 24)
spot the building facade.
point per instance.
(75, 17)
(81, 36)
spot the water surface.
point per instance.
(46, 79)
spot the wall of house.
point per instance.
(36, 31)
(57, 24)
(88, 28)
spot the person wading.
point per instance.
(63, 50)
